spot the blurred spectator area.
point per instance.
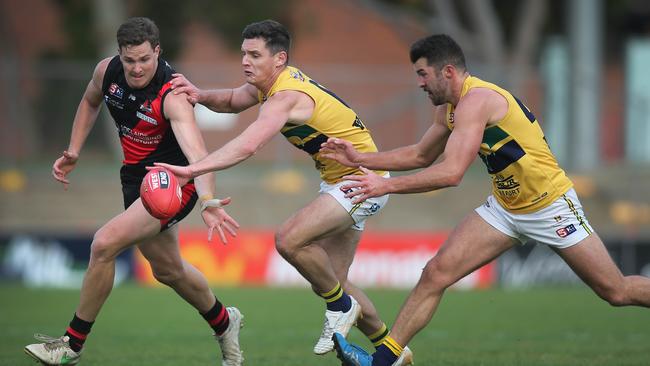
(352, 47)
(40, 92)
(358, 49)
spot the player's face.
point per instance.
(140, 63)
(431, 81)
(258, 64)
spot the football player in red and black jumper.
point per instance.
(153, 125)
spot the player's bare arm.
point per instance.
(473, 113)
(219, 100)
(84, 120)
(419, 155)
(181, 115)
(283, 107)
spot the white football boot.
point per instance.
(339, 322)
(53, 351)
(406, 358)
(231, 354)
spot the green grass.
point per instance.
(144, 326)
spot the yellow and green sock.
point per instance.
(388, 352)
(336, 299)
(377, 338)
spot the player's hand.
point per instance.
(215, 217)
(340, 150)
(64, 165)
(364, 186)
(182, 173)
(180, 84)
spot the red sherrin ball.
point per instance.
(161, 195)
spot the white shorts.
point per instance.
(360, 211)
(561, 224)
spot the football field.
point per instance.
(153, 326)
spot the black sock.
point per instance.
(77, 332)
(217, 317)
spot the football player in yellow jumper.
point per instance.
(321, 238)
(532, 198)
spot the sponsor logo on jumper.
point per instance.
(508, 187)
(116, 91)
(539, 197)
(113, 102)
(146, 107)
(140, 137)
(132, 97)
(146, 118)
(566, 231)
(297, 75)
(451, 118)
(357, 123)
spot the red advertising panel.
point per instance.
(383, 259)
(243, 260)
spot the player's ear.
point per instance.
(448, 71)
(157, 50)
(281, 58)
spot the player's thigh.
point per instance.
(590, 260)
(472, 244)
(322, 217)
(340, 248)
(162, 250)
(131, 227)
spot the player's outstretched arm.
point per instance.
(84, 120)
(471, 117)
(419, 155)
(181, 115)
(219, 100)
(272, 117)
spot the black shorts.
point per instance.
(131, 177)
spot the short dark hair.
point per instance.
(439, 50)
(135, 31)
(274, 34)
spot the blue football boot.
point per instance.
(350, 354)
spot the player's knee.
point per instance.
(283, 245)
(104, 247)
(435, 277)
(167, 274)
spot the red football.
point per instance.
(161, 195)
